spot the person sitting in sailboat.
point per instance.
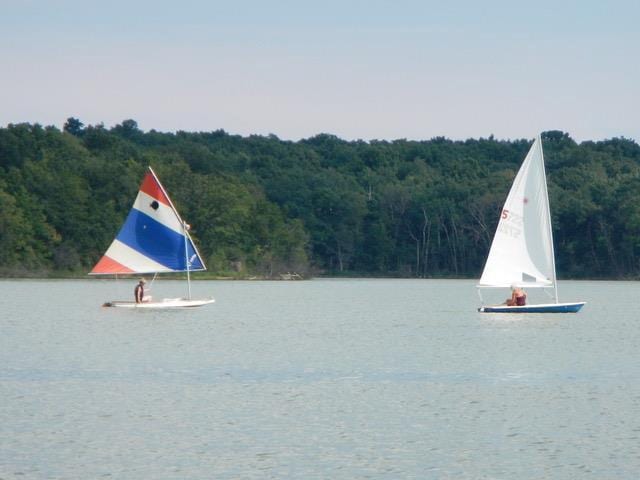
(518, 297)
(139, 292)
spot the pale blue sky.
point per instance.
(357, 69)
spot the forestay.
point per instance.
(522, 248)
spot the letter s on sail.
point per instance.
(505, 213)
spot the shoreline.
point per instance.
(284, 278)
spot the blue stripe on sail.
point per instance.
(157, 242)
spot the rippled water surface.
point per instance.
(335, 379)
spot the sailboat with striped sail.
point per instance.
(521, 254)
(153, 239)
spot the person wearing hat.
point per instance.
(139, 291)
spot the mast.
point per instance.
(546, 193)
(186, 258)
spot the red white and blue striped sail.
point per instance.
(153, 238)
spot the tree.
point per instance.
(73, 126)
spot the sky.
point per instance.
(356, 69)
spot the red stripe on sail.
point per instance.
(152, 188)
(109, 265)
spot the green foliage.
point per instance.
(263, 206)
(73, 126)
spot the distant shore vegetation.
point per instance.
(262, 207)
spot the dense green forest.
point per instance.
(263, 206)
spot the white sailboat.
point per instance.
(152, 240)
(521, 254)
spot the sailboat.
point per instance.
(153, 239)
(521, 254)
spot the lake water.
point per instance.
(331, 379)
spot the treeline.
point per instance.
(263, 206)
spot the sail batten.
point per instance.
(153, 237)
(522, 249)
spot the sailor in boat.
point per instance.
(139, 292)
(518, 297)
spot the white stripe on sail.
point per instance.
(163, 214)
(133, 259)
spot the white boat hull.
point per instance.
(164, 303)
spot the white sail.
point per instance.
(522, 248)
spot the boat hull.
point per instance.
(542, 308)
(163, 304)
